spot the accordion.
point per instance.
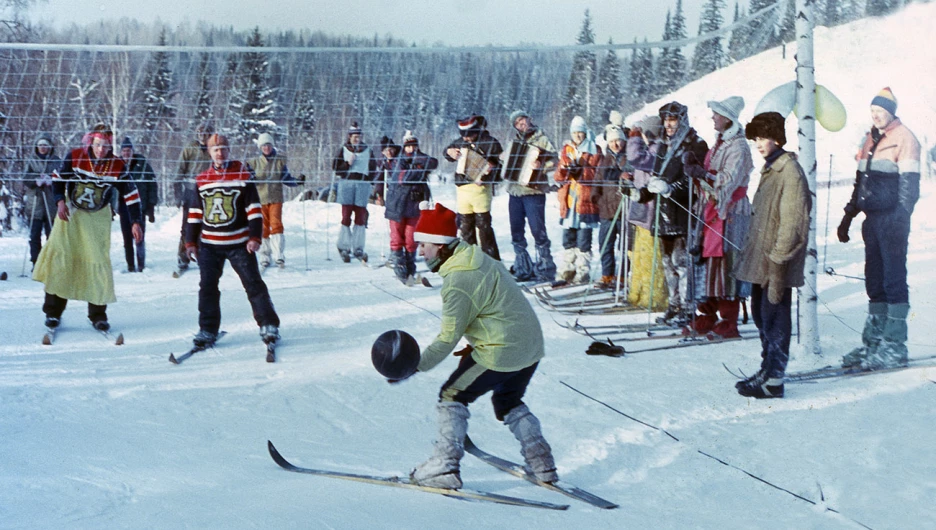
(519, 166)
(472, 165)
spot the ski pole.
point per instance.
(828, 202)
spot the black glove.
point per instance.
(689, 159)
(151, 217)
(843, 228)
(605, 348)
(464, 351)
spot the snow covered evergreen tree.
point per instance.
(738, 48)
(609, 84)
(303, 118)
(581, 87)
(709, 55)
(252, 100)
(786, 31)
(641, 76)
(763, 30)
(877, 8)
(158, 112)
(203, 110)
(671, 64)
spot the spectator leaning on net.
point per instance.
(887, 186)
(142, 174)
(271, 174)
(75, 263)
(40, 206)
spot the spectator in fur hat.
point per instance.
(774, 252)
(887, 187)
(475, 191)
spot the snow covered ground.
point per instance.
(99, 436)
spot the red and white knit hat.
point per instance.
(436, 226)
(473, 123)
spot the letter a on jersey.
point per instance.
(88, 195)
(218, 207)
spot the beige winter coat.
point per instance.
(775, 246)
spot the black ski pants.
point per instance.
(775, 325)
(211, 266)
(54, 306)
(886, 236)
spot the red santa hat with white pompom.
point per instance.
(436, 225)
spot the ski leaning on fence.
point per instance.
(195, 349)
(518, 471)
(399, 482)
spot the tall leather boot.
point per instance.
(727, 325)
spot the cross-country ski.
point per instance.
(398, 482)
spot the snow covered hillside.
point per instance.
(99, 436)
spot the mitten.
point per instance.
(605, 348)
(659, 186)
(843, 228)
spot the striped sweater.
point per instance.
(225, 211)
(87, 182)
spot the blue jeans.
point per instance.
(580, 238)
(607, 251)
(775, 325)
(532, 209)
(886, 236)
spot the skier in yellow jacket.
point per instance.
(481, 302)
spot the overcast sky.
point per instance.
(452, 22)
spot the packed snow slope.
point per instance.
(99, 436)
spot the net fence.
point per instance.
(308, 97)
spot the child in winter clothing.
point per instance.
(774, 252)
(578, 164)
(482, 303)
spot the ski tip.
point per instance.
(172, 359)
(120, 339)
(46, 341)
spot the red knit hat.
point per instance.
(436, 226)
